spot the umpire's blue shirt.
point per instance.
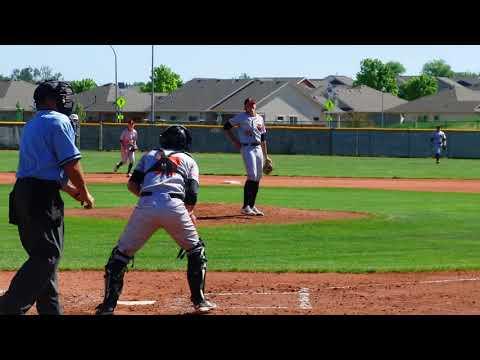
(48, 143)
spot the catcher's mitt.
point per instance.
(268, 166)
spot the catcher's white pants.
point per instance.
(127, 156)
(155, 212)
(253, 160)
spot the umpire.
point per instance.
(48, 162)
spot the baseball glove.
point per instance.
(132, 148)
(268, 166)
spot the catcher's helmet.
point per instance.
(176, 137)
(59, 90)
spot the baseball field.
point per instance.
(341, 235)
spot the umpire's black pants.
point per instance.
(37, 209)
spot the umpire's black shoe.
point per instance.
(104, 310)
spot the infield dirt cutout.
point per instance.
(214, 214)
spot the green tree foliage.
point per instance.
(418, 86)
(34, 75)
(377, 75)
(4, 77)
(79, 86)
(396, 67)
(244, 76)
(80, 111)
(166, 80)
(437, 68)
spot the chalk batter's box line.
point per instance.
(442, 281)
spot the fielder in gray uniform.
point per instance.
(439, 140)
(166, 181)
(252, 143)
(128, 146)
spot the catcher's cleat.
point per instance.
(102, 309)
(257, 211)
(204, 306)
(247, 211)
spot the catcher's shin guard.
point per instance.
(196, 273)
(114, 273)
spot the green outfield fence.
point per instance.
(281, 140)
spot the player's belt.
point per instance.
(251, 144)
(172, 195)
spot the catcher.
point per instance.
(128, 146)
(252, 143)
(439, 140)
(166, 180)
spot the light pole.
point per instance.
(116, 82)
(153, 86)
(383, 89)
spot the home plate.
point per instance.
(235, 182)
(134, 303)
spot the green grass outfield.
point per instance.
(298, 165)
(409, 231)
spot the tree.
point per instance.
(34, 75)
(46, 73)
(4, 77)
(244, 76)
(79, 86)
(165, 80)
(80, 111)
(377, 75)
(396, 67)
(418, 86)
(25, 74)
(437, 68)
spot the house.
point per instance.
(471, 82)
(13, 93)
(456, 103)
(364, 106)
(99, 103)
(214, 101)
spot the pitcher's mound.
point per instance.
(216, 214)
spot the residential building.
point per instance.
(456, 103)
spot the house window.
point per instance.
(280, 118)
(316, 118)
(193, 118)
(436, 118)
(173, 118)
(293, 119)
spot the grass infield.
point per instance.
(409, 231)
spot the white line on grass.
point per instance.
(304, 298)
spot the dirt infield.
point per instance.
(210, 214)
(280, 294)
(435, 185)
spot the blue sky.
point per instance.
(227, 61)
